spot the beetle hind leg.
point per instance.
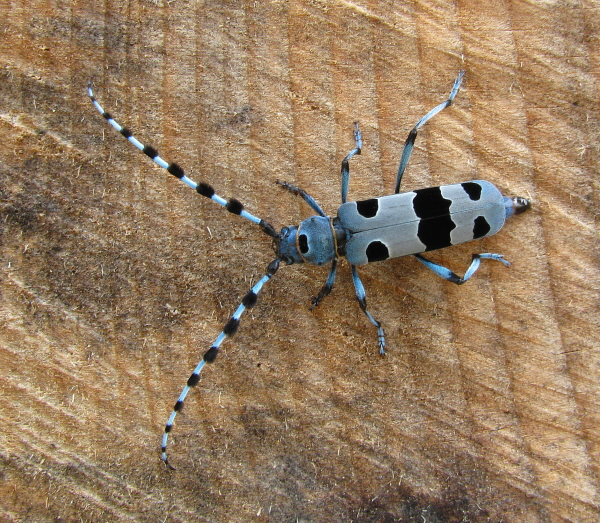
(412, 136)
(447, 274)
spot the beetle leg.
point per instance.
(412, 136)
(326, 289)
(346, 166)
(361, 295)
(447, 274)
(304, 195)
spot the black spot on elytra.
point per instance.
(429, 203)
(436, 222)
(472, 189)
(377, 251)
(480, 227)
(368, 208)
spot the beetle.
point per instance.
(366, 231)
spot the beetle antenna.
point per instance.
(232, 205)
(210, 355)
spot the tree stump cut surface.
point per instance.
(116, 278)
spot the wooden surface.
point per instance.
(116, 277)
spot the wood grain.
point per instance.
(116, 278)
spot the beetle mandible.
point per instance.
(364, 232)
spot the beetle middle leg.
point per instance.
(345, 164)
(361, 295)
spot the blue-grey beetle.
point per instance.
(367, 231)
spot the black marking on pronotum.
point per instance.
(367, 231)
(303, 243)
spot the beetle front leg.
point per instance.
(326, 289)
(312, 203)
